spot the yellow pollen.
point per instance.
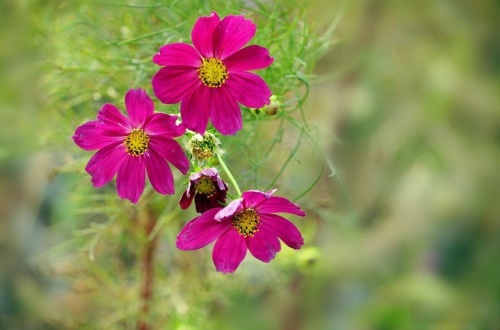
(205, 186)
(246, 222)
(137, 142)
(213, 73)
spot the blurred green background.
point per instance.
(395, 160)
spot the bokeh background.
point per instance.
(388, 136)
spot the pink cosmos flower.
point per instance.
(211, 77)
(207, 189)
(132, 146)
(245, 223)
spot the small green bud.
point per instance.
(203, 148)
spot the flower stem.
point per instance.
(148, 269)
(230, 176)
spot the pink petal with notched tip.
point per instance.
(264, 244)
(195, 109)
(105, 163)
(225, 113)
(283, 229)
(229, 251)
(203, 34)
(248, 89)
(131, 179)
(277, 204)
(172, 84)
(159, 173)
(253, 57)
(252, 198)
(233, 33)
(164, 124)
(178, 54)
(171, 151)
(112, 119)
(139, 107)
(88, 138)
(201, 231)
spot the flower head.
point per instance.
(203, 148)
(130, 147)
(211, 78)
(245, 223)
(207, 189)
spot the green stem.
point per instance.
(231, 177)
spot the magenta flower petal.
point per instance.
(230, 209)
(212, 88)
(172, 84)
(139, 106)
(229, 251)
(171, 151)
(233, 33)
(277, 204)
(201, 231)
(284, 229)
(253, 198)
(163, 124)
(253, 57)
(86, 138)
(249, 89)
(264, 244)
(105, 164)
(127, 147)
(131, 178)
(159, 172)
(203, 34)
(186, 199)
(179, 54)
(113, 120)
(225, 113)
(195, 109)
(207, 189)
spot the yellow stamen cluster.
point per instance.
(213, 73)
(137, 142)
(246, 222)
(205, 186)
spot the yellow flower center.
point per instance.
(246, 222)
(213, 73)
(205, 186)
(137, 142)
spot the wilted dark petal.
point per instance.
(186, 200)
